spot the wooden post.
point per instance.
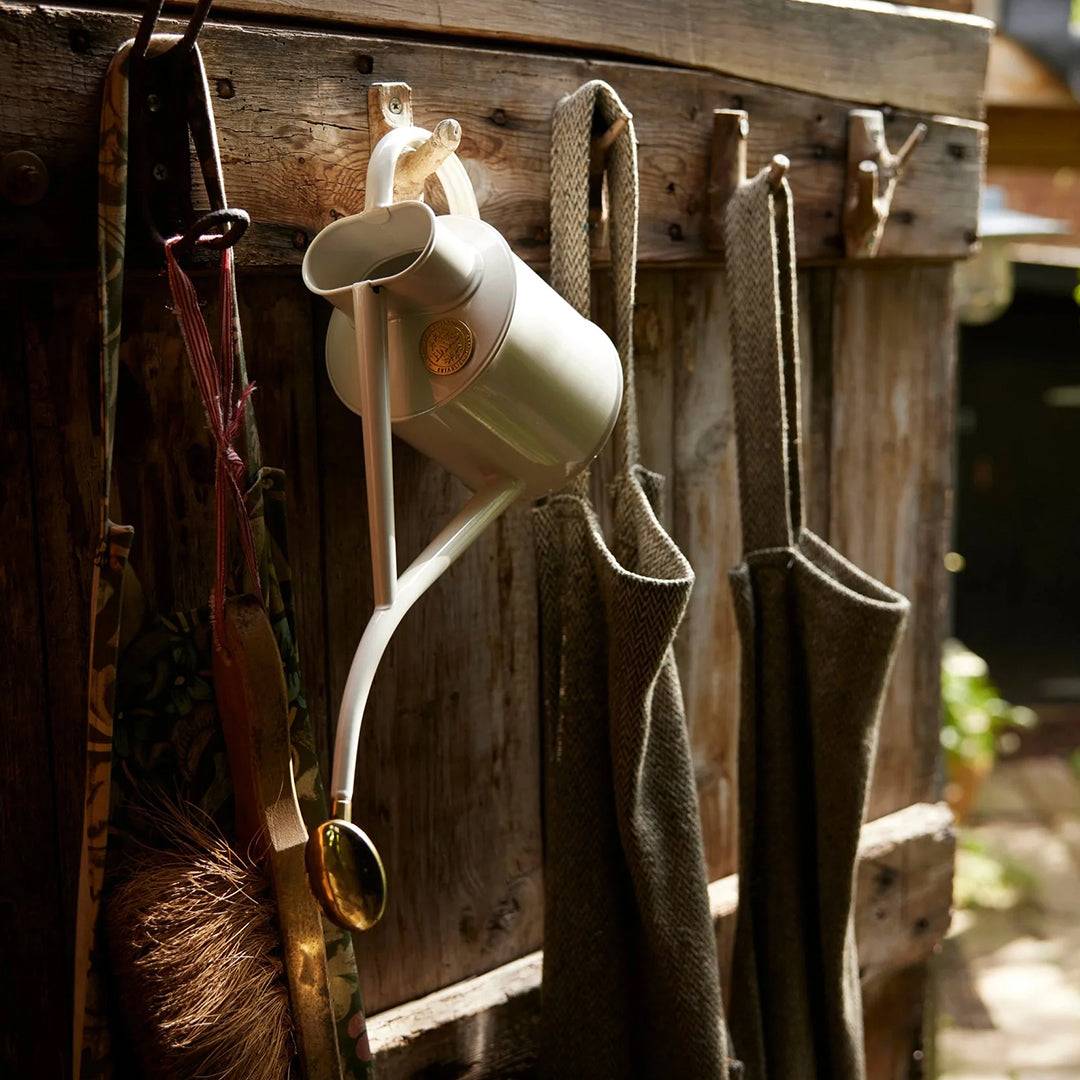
(727, 169)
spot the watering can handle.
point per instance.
(382, 165)
(393, 595)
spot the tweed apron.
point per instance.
(630, 982)
(818, 638)
(152, 723)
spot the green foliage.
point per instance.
(974, 715)
(986, 879)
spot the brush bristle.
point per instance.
(193, 939)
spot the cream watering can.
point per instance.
(443, 336)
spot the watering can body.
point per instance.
(491, 372)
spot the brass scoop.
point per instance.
(345, 872)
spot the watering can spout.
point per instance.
(392, 247)
(455, 537)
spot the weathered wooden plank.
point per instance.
(279, 338)
(30, 903)
(655, 360)
(894, 356)
(868, 51)
(894, 1021)
(486, 1027)
(448, 783)
(706, 527)
(292, 122)
(60, 336)
(1035, 137)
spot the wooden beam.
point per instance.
(292, 118)
(1016, 76)
(907, 57)
(1046, 138)
(487, 1026)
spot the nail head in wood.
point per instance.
(389, 106)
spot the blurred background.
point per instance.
(1008, 976)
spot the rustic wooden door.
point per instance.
(450, 760)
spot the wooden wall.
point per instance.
(449, 782)
(450, 757)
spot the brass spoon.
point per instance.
(345, 872)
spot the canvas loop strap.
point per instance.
(760, 246)
(571, 134)
(225, 412)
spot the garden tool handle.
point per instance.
(252, 700)
(382, 165)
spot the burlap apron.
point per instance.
(151, 722)
(818, 637)
(630, 984)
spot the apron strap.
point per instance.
(760, 245)
(571, 139)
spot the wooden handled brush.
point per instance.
(217, 946)
(253, 705)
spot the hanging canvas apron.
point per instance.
(630, 981)
(818, 638)
(151, 720)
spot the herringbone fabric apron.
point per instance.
(630, 985)
(818, 637)
(152, 723)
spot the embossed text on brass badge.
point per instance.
(446, 346)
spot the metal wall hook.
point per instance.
(149, 21)
(169, 98)
(873, 173)
(727, 169)
(217, 230)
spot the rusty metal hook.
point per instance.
(217, 230)
(149, 21)
(169, 98)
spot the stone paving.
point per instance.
(1008, 988)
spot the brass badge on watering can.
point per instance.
(446, 346)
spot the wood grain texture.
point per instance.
(448, 782)
(706, 527)
(37, 978)
(487, 1026)
(293, 132)
(279, 339)
(59, 361)
(893, 369)
(868, 51)
(164, 475)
